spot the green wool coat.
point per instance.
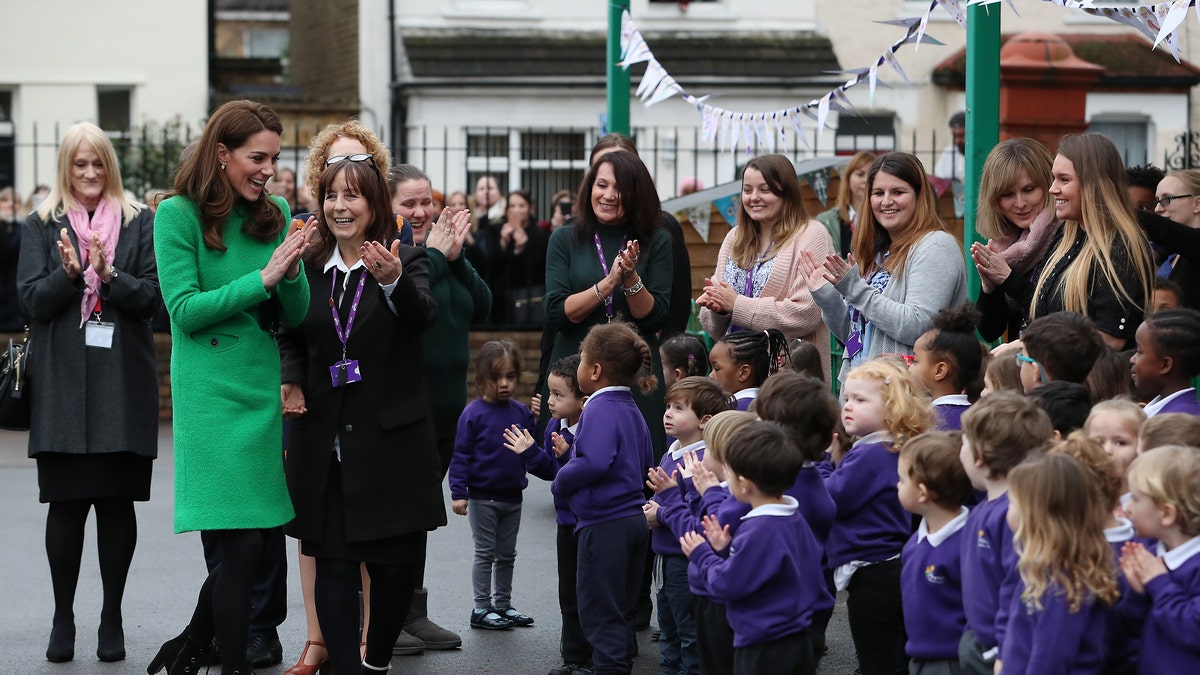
(224, 371)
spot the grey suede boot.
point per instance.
(428, 633)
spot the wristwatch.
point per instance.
(112, 274)
(634, 289)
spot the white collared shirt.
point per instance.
(873, 437)
(601, 390)
(1180, 554)
(677, 452)
(1122, 532)
(335, 260)
(747, 393)
(1153, 407)
(787, 508)
(952, 399)
(948, 529)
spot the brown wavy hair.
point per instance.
(639, 198)
(780, 175)
(861, 159)
(201, 179)
(871, 239)
(622, 353)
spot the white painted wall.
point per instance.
(374, 71)
(65, 49)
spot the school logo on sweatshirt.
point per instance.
(932, 576)
(981, 540)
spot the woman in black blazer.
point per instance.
(361, 461)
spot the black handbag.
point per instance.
(527, 308)
(15, 400)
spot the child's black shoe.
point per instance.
(489, 619)
(517, 618)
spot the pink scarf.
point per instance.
(106, 224)
(1030, 246)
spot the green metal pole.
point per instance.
(618, 78)
(983, 115)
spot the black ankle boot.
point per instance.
(62, 642)
(166, 654)
(191, 655)
(110, 642)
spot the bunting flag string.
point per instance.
(731, 129)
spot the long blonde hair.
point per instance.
(845, 195)
(781, 179)
(907, 410)
(1060, 537)
(62, 198)
(1001, 171)
(1107, 217)
(871, 239)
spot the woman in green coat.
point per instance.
(234, 273)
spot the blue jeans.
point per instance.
(676, 621)
(494, 526)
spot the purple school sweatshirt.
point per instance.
(949, 411)
(871, 526)
(1053, 640)
(745, 397)
(1123, 636)
(681, 517)
(603, 481)
(664, 540)
(1183, 401)
(816, 505)
(481, 467)
(1171, 638)
(989, 571)
(543, 463)
(931, 588)
(772, 580)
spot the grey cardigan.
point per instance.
(934, 277)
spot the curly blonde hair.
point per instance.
(1060, 537)
(319, 148)
(906, 408)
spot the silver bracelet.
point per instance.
(635, 289)
(596, 287)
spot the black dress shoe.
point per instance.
(564, 669)
(489, 619)
(263, 651)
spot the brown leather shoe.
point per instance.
(302, 668)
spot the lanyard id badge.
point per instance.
(345, 371)
(97, 333)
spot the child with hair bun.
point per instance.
(1165, 483)
(603, 485)
(947, 360)
(884, 408)
(743, 360)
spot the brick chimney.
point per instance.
(1044, 87)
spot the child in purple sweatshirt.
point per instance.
(565, 402)
(486, 482)
(1058, 616)
(690, 404)
(998, 432)
(947, 360)
(743, 359)
(1167, 587)
(934, 486)
(884, 407)
(603, 485)
(770, 580)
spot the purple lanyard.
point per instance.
(608, 301)
(337, 321)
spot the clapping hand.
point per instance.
(561, 446)
(383, 264)
(836, 267)
(67, 252)
(99, 259)
(535, 406)
(658, 480)
(517, 439)
(718, 537)
(990, 263)
(1140, 566)
(703, 479)
(689, 541)
(650, 509)
(285, 260)
(717, 296)
(627, 260)
(449, 233)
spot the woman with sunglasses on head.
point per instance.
(353, 403)
(231, 275)
(1099, 263)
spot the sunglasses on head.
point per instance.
(359, 157)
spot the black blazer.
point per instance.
(1181, 239)
(391, 477)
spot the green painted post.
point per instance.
(617, 81)
(983, 115)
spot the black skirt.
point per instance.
(403, 549)
(118, 475)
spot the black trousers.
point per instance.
(612, 556)
(788, 655)
(714, 637)
(268, 600)
(876, 619)
(573, 643)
